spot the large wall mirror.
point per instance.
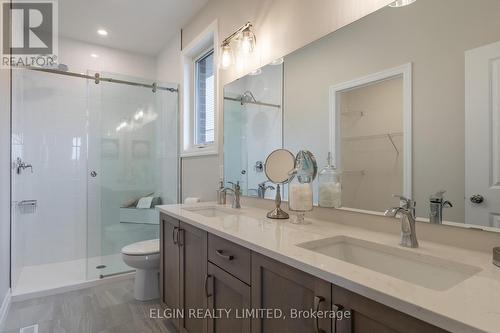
(407, 100)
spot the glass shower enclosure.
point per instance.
(95, 149)
(132, 154)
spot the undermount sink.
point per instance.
(210, 211)
(423, 270)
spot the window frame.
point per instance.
(199, 47)
(206, 53)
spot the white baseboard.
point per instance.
(4, 309)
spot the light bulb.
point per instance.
(247, 41)
(226, 56)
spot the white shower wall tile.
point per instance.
(50, 123)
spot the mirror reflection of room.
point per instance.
(393, 115)
(252, 123)
(372, 144)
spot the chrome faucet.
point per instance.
(236, 190)
(21, 166)
(436, 205)
(261, 191)
(407, 212)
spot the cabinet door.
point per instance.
(229, 298)
(278, 286)
(367, 316)
(193, 249)
(169, 270)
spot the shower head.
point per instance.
(247, 97)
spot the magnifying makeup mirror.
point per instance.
(278, 167)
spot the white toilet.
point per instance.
(145, 258)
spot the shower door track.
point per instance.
(97, 79)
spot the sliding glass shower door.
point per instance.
(132, 165)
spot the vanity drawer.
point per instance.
(232, 258)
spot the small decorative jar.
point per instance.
(330, 187)
(300, 190)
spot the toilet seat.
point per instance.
(148, 247)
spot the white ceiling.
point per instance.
(140, 26)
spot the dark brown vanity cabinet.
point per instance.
(279, 286)
(183, 272)
(230, 295)
(368, 316)
(170, 262)
(201, 271)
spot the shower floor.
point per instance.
(40, 280)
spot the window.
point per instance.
(199, 95)
(204, 99)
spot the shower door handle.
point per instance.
(93, 174)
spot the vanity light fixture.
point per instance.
(247, 41)
(102, 32)
(401, 3)
(246, 44)
(226, 56)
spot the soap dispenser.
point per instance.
(330, 187)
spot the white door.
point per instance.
(482, 135)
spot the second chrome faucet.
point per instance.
(406, 210)
(236, 191)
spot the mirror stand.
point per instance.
(278, 213)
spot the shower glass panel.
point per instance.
(252, 128)
(132, 154)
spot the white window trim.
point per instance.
(200, 45)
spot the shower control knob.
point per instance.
(93, 173)
(477, 199)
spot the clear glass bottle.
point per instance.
(330, 186)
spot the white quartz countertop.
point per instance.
(472, 305)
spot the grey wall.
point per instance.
(4, 182)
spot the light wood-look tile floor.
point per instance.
(107, 308)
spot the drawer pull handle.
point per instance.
(175, 235)
(206, 285)
(180, 237)
(317, 302)
(221, 254)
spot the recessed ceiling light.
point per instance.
(93, 55)
(401, 3)
(102, 32)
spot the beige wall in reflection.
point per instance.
(372, 166)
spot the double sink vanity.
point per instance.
(216, 257)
